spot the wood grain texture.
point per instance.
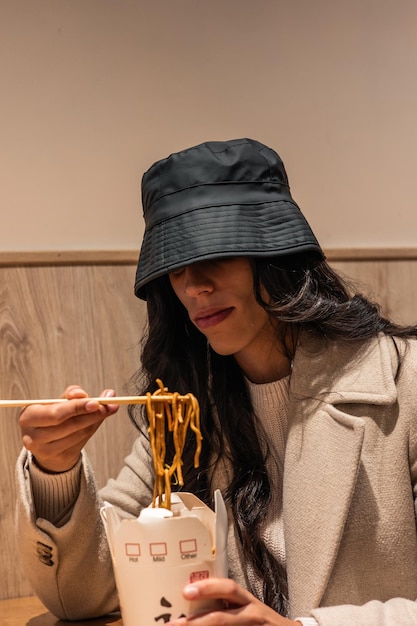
(81, 324)
(392, 283)
(58, 326)
(30, 611)
(68, 257)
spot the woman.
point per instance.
(307, 404)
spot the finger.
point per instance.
(74, 391)
(59, 455)
(63, 446)
(109, 393)
(50, 441)
(222, 588)
(60, 430)
(42, 416)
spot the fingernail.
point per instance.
(191, 591)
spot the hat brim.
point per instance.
(270, 229)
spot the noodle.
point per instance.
(177, 414)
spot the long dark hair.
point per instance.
(305, 293)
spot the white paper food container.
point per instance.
(157, 554)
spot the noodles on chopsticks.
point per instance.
(175, 415)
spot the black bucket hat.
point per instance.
(218, 199)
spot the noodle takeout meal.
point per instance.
(177, 539)
(176, 414)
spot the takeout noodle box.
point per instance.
(157, 554)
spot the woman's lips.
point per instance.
(212, 319)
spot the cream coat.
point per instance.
(349, 497)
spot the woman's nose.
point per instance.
(196, 281)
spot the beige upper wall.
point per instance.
(93, 91)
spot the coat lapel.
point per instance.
(323, 453)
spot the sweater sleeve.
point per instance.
(54, 495)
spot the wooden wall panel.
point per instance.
(58, 326)
(392, 283)
(81, 324)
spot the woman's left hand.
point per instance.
(242, 608)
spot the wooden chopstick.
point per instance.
(100, 400)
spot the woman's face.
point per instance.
(219, 298)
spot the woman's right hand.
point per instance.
(56, 433)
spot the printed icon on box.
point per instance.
(188, 545)
(158, 551)
(132, 550)
(194, 576)
(165, 617)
